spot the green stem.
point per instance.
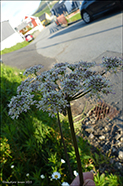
(75, 144)
(65, 149)
(80, 95)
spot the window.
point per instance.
(31, 25)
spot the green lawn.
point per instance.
(15, 47)
(74, 18)
(45, 10)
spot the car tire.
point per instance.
(86, 17)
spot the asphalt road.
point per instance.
(84, 42)
(77, 42)
(26, 57)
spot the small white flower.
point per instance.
(12, 166)
(65, 184)
(27, 174)
(56, 175)
(75, 173)
(42, 176)
(20, 72)
(62, 161)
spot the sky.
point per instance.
(14, 11)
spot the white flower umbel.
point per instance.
(20, 103)
(56, 87)
(111, 63)
(62, 161)
(65, 184)
(32, 70)
(42, 176)
(56, 175)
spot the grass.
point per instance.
(74, 18)
(15, 47)
(45, 10)
(33, 145)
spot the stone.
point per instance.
(121, 132)
(89, 129)
(91, 136)
(106, 128)
(118, 165)
(117, 136)
(102, 137)
(118, 142)
(93, 122)
(121, 139)
(111, 161)
(88, 122)
(120, 155)
(114, 149)
(92, 118)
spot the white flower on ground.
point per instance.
(56, 175)
(12, 166)
(27, 174)
(75, 173)
(42, 176)
(65, 184)
(62, 161)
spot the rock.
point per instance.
(114, 149)
(120, 155)
(121, 139)
(118, 142)
(106, 128)
(102, 137)
(117, 136)
(92, 119)
(88, 122)
(118, 165)
(121, 132)
(111, 161)
(91, 136)
(93, 122)
(89, 129)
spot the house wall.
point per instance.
(34, 22)
(48, 17)
(11, 41)
(68, 5)
(40, 27)
(60, 10)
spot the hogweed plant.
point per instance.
(53, 90)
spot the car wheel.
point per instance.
(86, 17)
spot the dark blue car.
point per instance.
(90, 9)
